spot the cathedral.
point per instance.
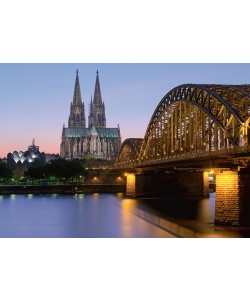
(95, 141)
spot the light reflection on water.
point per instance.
(12, 197)
(101, 215)
(79, 215)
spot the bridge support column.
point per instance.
(232, 204)
(131, 185)
(205, 184)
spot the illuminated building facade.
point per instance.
(96, 141)
(20, 160)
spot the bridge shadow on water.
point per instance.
(187, 218)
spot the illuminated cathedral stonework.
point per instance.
(95, 141)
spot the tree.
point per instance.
(75, 169)
(5, 171)
(66, 170)
(36, 172)
(62, 169)
(57, 168)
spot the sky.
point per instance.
(35, 101)
(35, 97)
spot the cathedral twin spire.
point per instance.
(97, 108)
(77, 110)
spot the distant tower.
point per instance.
(97, 116)
(77, 111)
(33, 147)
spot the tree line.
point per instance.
(58, 170)
(5, 171)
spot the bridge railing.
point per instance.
(241, 150)
(231, 151)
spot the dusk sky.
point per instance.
(35, 98)
(35, 103)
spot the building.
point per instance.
(19, 161)
(96, 141)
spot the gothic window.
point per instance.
(77, 118)
(99, 120)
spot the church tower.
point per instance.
(77, 111)
(96, 141)
(97, 116)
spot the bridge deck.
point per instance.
(220, 158)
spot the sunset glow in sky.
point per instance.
(35, 98)
(35, 103)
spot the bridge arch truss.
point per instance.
(129, 152)
(195, 118)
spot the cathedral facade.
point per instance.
(97, 141)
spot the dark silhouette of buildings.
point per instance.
(20, 160)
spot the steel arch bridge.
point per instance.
(196, 118)
(129, 152)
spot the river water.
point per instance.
(105, 216)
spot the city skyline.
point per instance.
(35, 98)
(129, 32)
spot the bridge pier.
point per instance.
(131, 185)
(232, 204)
(181, 184)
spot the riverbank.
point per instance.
(62, 189)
